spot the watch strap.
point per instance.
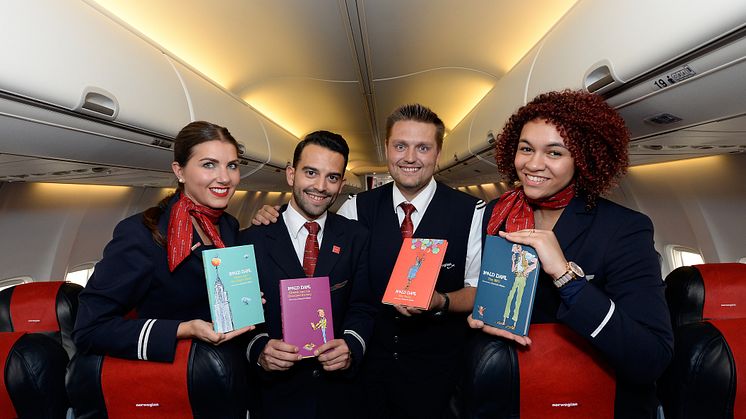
(442, 311)
(564, 279)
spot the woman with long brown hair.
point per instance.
(149, 289)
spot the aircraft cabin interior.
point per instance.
(93, 92)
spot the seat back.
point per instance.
(203, 381)
(33, 383)
(503, 381)
(41, 307)
(556, 354)
(708, 310)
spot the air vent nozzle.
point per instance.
(663, 119)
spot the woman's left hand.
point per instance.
(202, 330)
(478, 324)
(547, 247)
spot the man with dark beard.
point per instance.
(412, 367)
(292, 387)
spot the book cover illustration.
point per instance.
(415, 273)
(233, 287)
(306, 308)
(507, 285)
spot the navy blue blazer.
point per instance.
(614, 246)
(306, 388)
(133, 275)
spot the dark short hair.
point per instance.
(326, 139)
(418, 113)
(593, 131)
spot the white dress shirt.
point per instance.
(421, 202)
(298, 232)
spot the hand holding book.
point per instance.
(478, 324)
(411, 287)
(551, 257)
(334, 355)
(278, 356)
(436, 303)
(507, 287)
(202, 330)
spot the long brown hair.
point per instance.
(193, 134)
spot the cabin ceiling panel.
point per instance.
(344, 64)
(309, 105)
(482, 35)
(719, 137)
(240, 43)
(457, 92)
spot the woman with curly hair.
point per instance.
(563, 150)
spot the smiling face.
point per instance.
(211, 174)
(543, 162)
(316, 180)
(411, 153)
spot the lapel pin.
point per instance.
(336, 249)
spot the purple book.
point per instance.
(306, 309)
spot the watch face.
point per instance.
(577, 270)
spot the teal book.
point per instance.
(507, 285)
(233, 287)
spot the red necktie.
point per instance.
(311, 254)
(407, 227)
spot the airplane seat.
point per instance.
(560, 376)
(708, 312)
(203, 381)
(33, 384)
(48, 308)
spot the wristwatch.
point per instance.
(573, 272)
(446, 304)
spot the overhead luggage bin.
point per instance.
(600, 45)
(84, 62)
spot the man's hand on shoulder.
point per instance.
(266, 215)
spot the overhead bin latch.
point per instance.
(99, 103)
(599, 78)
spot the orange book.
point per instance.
(416, 270)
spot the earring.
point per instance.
(181, 180)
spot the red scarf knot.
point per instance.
(180, 228)
(517, 211)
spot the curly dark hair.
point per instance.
(593, 131)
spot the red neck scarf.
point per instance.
(516, 210)
(180, 228)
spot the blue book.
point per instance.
(233, 287)
(507, 285)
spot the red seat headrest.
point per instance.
(563, 376)
(41, 307)
(33, 307)
(725, 290)
(203, 381)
